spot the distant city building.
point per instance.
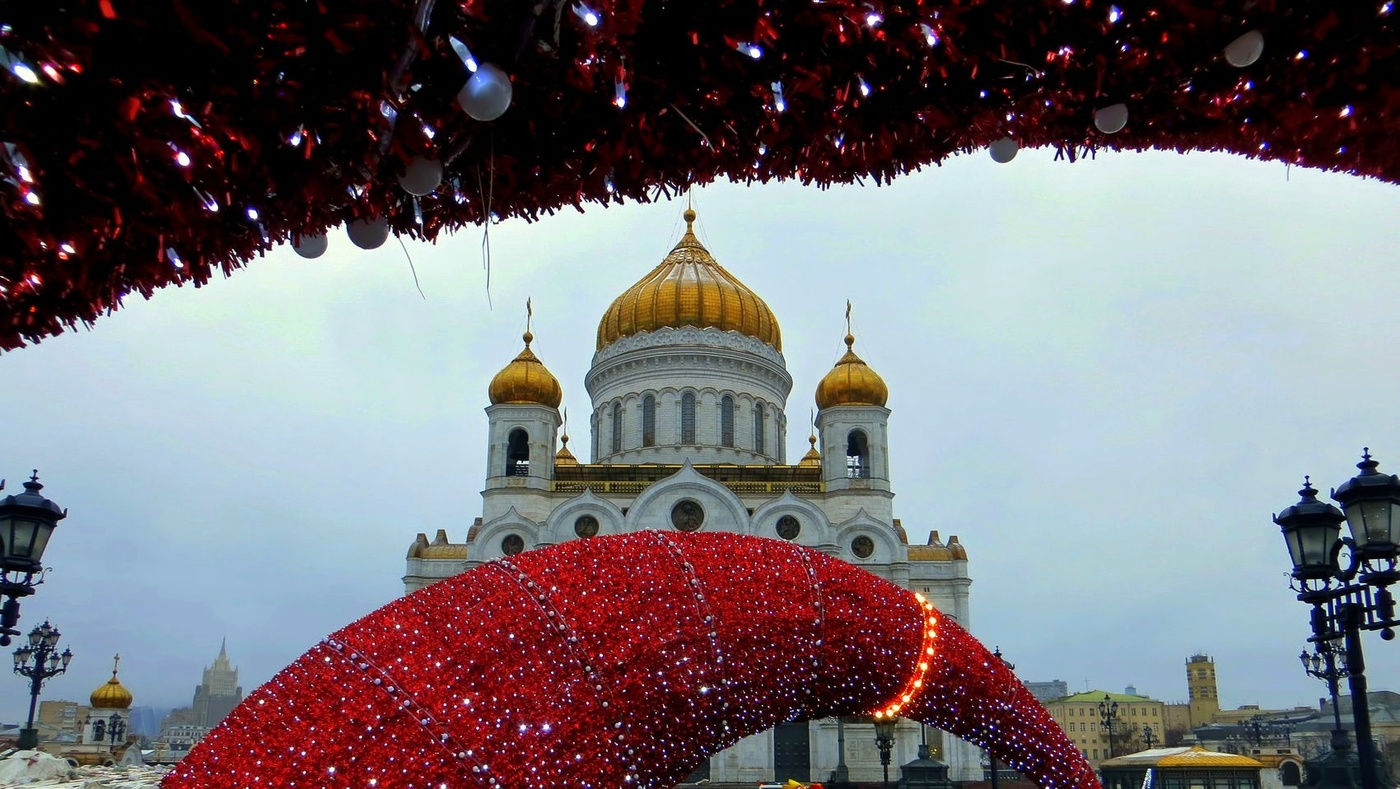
(145, 721)
(1079, 717)
(1203, 703)
(1045, 691)
(219, 693)
(61, 721)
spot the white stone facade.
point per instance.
(688, 430)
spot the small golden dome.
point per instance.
(689, 288)
(851, 382)
(111, 695)
(813, 457)
(526, 380)
(564, 457)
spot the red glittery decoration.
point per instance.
(616, 661)
(145, 143)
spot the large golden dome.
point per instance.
(851, 382)
(525, 380)
(111, 695)
(689, 288)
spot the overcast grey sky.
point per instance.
(1104, 377)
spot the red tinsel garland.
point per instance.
(619, 661)
(150, 142)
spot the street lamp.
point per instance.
(42, 650)
(1348, 599)
(1108, 718)
(26, 523)
(884, 738)
(1331, 667)
(991, 757)
(1148, 738)
(116, 728)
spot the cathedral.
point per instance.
(689, 432)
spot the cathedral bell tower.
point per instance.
(524, 421)
(854, 424)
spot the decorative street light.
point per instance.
(1108, 718)
(991, 757)
(116, 729)
(1148, 738)
(26, 523)
(884, 738)
(1348, 599)
(42, 649)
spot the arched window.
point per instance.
(648, 421)
(99, 729)
(518, 454)
(688, 418)
(617, 428)
(857, 455)
(758, 428)
(726, 421)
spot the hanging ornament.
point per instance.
(1245, 50)
(1003, 150)
(1111, 119)
(310, 247)
(422, 176)
(368, 233)
(486, 96)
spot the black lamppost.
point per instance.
(841, 777)
(991, 757)
(1348, 599)
(1148, 738)
(884, 738)
(26, 522)
(42, 649)
(1108, 718)
(116, 728)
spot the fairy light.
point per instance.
(463, 53)
(779, 103)
(1114, 14)
(752, 50)
(24, 72)
(587, 15)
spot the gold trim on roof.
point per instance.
(689, 288)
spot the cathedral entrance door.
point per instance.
(792, 752)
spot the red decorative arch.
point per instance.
(145, 143)
(619, 661)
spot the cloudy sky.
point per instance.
(1104, 376)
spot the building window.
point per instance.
(726, 421)
(512, 544)
(863, 547)
(648, 421)
(518, 454)
(1096, 753)
(617, 428)
(857, 455)
(758, 428)
(688, 418)
(99, 728)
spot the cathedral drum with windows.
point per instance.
(688, 388)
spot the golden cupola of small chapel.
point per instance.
(111, 695)
(689, 288)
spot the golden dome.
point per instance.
(111, 695)
(813, 457)
(564, 457)
(689, 288)
(525, 380)
(851, 382)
